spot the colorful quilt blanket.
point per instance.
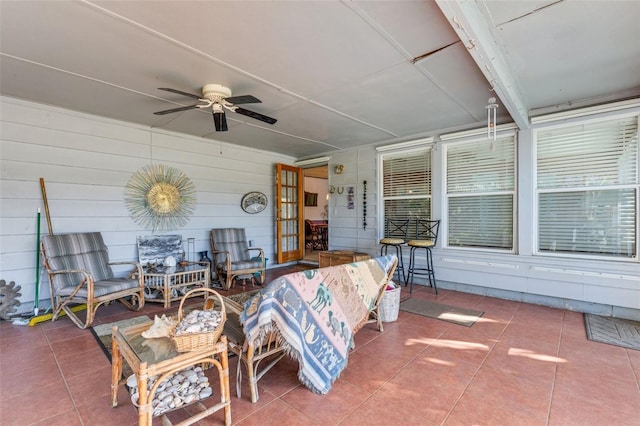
(316, 313)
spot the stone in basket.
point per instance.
(199, 329)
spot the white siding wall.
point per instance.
(86, 161)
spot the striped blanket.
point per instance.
(316, 312)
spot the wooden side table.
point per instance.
(340, 257)
(128, 343)
(170, 282)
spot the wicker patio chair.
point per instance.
(232, 256)
(80, 272)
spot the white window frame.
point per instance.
(479, 138)
(576, 121)
(406, 148)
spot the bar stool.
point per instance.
(426, 236)
(395, 235)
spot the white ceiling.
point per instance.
(336, 74)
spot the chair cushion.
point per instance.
(236, 266)
(421, 243)
(392, 241)
(101, 288)
(85, 251)
(234, 241)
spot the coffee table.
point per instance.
(171, 283)
(145, 362)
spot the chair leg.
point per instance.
(428, 271)
(431, 271)
(410, 271)
(400, 268)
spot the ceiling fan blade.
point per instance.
(243, 99)
(220, 121)
(179, 92)
(169, 111)
(255, 115)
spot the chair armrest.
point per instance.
(136, 270)
(87, 279)
(220, 252)
(71, 271)
(258, 250)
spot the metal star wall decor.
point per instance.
(160, 197)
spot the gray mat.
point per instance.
(613, 331)
(461, 316)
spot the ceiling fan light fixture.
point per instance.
(215, 92)
(218, 97)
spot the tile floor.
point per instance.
(520, 364)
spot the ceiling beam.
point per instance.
(476, 33)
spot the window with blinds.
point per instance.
(587, 188)
(406, 185)
(480, 194)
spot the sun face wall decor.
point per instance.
(160, 197)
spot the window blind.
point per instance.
(480, 193)
(406, 184)
(588, 188)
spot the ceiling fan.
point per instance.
(218, 98)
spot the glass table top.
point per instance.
(151, 351)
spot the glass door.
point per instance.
(289, 213)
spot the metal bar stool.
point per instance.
(395, 235)
(426, 236)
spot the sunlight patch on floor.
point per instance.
(533, 355)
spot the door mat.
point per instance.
(102, 333)
(461, 316)
(613, 331)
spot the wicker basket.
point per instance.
(390, 304)
(195, 341)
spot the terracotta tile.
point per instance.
(524, 361)
(518, 393)
(74, 346)
(450, 370)
(84, 362)
(276, 413)
(426, 399)
(634, 357)
(41, 401)
(34, 340)
(102, 413)
(383, 410)
(461, 344)
(68, 418)
(94, 387)
(617, 392)
(38, 357)
(482, 410)
(571, 408)
(25, 381)
(67, 331)
(369, 371)
(282, 378)
(327, 409)
(9, 331)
